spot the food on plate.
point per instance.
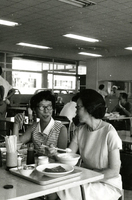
(28, 167)
(26, 170)
(57, 169)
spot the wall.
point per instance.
(92, 73)
(117, 68)
(113, 68)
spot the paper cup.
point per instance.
(43, 160)
(11, 159)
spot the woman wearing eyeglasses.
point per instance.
(45, 132)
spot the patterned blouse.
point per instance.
(39, 138)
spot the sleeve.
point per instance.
(130, 108)
(75, 138)
(114, 141)
(9, 86)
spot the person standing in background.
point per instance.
(102, 91)
(8, 89)
(69, 109)
(114, 90)
(2, 103)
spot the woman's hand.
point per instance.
(19, 119)
(50, 151)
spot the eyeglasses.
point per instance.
(43, 108)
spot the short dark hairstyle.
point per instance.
(43, 95)
(93, 102)
(124, 95)
(75, 97)
(0, 70)
(101, 87)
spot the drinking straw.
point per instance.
(11, 143)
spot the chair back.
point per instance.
(66, 122)
(5, 129)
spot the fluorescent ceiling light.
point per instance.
(78, 3)
(8, 23)
(90, 54)
(33, 45)
(129, 48)
(78, 37)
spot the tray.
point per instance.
(41, 179)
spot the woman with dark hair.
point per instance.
(47, 131)
(98, 144)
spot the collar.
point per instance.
(48, 127)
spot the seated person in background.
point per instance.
(124, 108)
(69, 109)
(3, 105)
(102, 91)
(59, 105)
(99, 146)
(47, 131)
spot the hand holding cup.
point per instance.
(19, 119)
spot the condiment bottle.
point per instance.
(19, 161)
(30, 154)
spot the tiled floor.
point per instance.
(127, 194)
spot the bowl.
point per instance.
(68, 158)
(26, 170)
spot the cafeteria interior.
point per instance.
(39, 52)
(64, 91)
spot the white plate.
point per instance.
(68, 169)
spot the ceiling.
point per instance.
(44, 22)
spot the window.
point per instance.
(26, 82)
(82, 70)
(29, 76)
(25, 76)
